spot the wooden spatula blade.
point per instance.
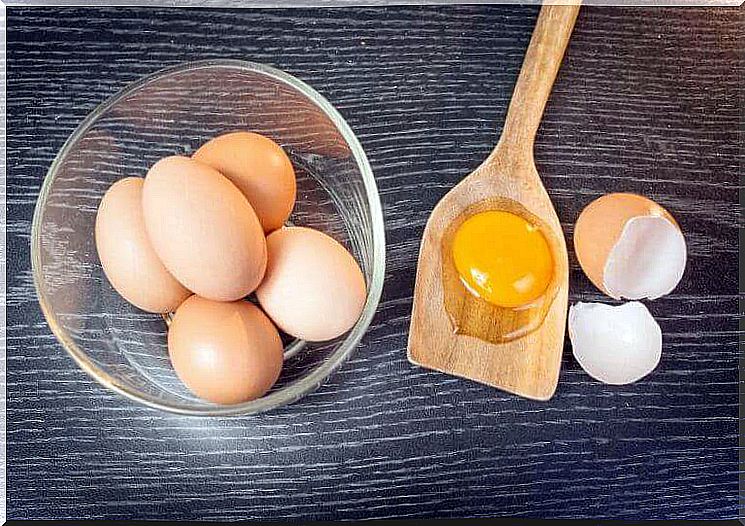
(528, 366)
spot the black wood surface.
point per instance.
(647, 101)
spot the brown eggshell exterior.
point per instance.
(313, 288)
(127, 257)
(224, 352)
(600, 226)
(259, 168)
(203, 229)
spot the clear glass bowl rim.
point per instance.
(317, 376)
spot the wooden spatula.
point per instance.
(529, 365)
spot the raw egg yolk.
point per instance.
(502, 258)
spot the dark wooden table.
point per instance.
(647, 101)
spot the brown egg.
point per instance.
(630, 247)
(224, 352)
(127, 257)
(313, 288)
(203, 229)
(259, 168)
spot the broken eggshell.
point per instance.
(630, 247)
(615, 344)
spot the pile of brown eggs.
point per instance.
(198, 235)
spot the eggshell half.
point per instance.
(127, 257)
(259, 168)
(203, 229)
(630, 247)
(313, 288)
(224, 352)
(616, 345)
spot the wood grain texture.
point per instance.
(647, 101)
(508, 181)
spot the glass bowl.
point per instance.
(172, 112)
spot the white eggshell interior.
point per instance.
(647, 261)
(616, 345)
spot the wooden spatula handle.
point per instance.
(542, 61)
